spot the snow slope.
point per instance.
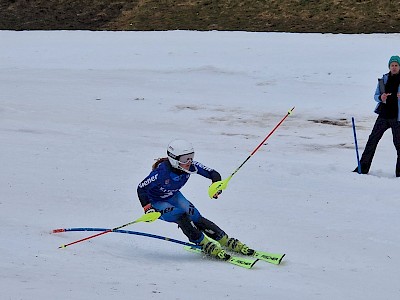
(83, 115)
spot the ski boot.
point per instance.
(212, 249)
(235, 245)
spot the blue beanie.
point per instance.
(394, 58)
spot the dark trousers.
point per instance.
(381, 125)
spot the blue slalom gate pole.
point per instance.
(128, 232)
(356, 145)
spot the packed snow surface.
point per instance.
(83, 115)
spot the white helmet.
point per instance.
(180, 152)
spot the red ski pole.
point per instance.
(222, 184)
(150, 217)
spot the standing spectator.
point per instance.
(387, 95)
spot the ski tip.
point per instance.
(280, 260)
(252, 265)
(58, 230)
(62, 247)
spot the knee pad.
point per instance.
(189, 229)
(212, 230)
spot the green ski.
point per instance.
(247, 263)
(272, 258)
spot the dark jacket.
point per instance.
(389, 84)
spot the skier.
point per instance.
(160, 191)
(387, 95)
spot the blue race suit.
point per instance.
(161, 189)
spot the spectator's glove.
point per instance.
(148, 208)
(216, 195)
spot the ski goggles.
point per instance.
(186, 158)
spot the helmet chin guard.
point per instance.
(180, 152)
